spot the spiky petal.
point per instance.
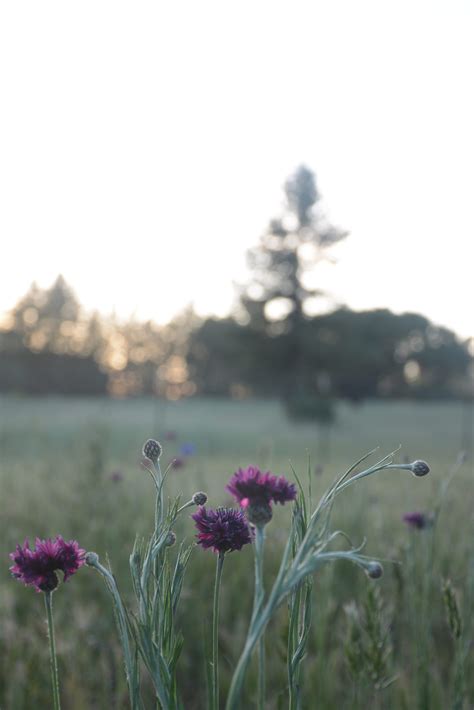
(223, 529)
(37, 568)
(249, 486)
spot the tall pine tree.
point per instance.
(286, 256)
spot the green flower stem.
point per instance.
(256, 628)
(215, 638)
(261, 673)
(186, 505)
(287, 580)
(131, 670)
(258, 602)
(335, 490)
(459, 674)
(370, 471)
(159, 499)
(48, 600)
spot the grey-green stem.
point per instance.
(48, 600)
(215, 634)
(121, 619)
(256, 628)
(258, 602)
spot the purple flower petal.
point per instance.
(416, 520)
(223, 529)
(251, 486)
(38, 567)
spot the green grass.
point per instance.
(56, 457)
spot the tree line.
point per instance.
(273, 345)
(48, 345)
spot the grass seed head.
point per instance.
(452, 610)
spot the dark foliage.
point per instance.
(48, 373)
(344, 354)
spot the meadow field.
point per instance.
(72, 467)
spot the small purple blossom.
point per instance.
(223, 529)
(116, 476)
(37, 568)
(178, 462)
(187, 449)
(250, 486)
(416, 520)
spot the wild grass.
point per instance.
(56, 461)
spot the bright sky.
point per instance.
(143, 147)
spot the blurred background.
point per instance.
(247, 232)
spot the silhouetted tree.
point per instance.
(283, 261)
(226, 358)
(274, 300)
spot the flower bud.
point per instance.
(259, 513)
(420, 468)
(170, 539)
(152, 449)
(199, 498)
(92, 558)
(374, 570)
(49, 583)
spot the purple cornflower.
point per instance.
(187, 449)
(250, 486)
(178, 462)
(37, 568)
(416, 520)
(223, 529)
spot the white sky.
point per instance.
(143, 146)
